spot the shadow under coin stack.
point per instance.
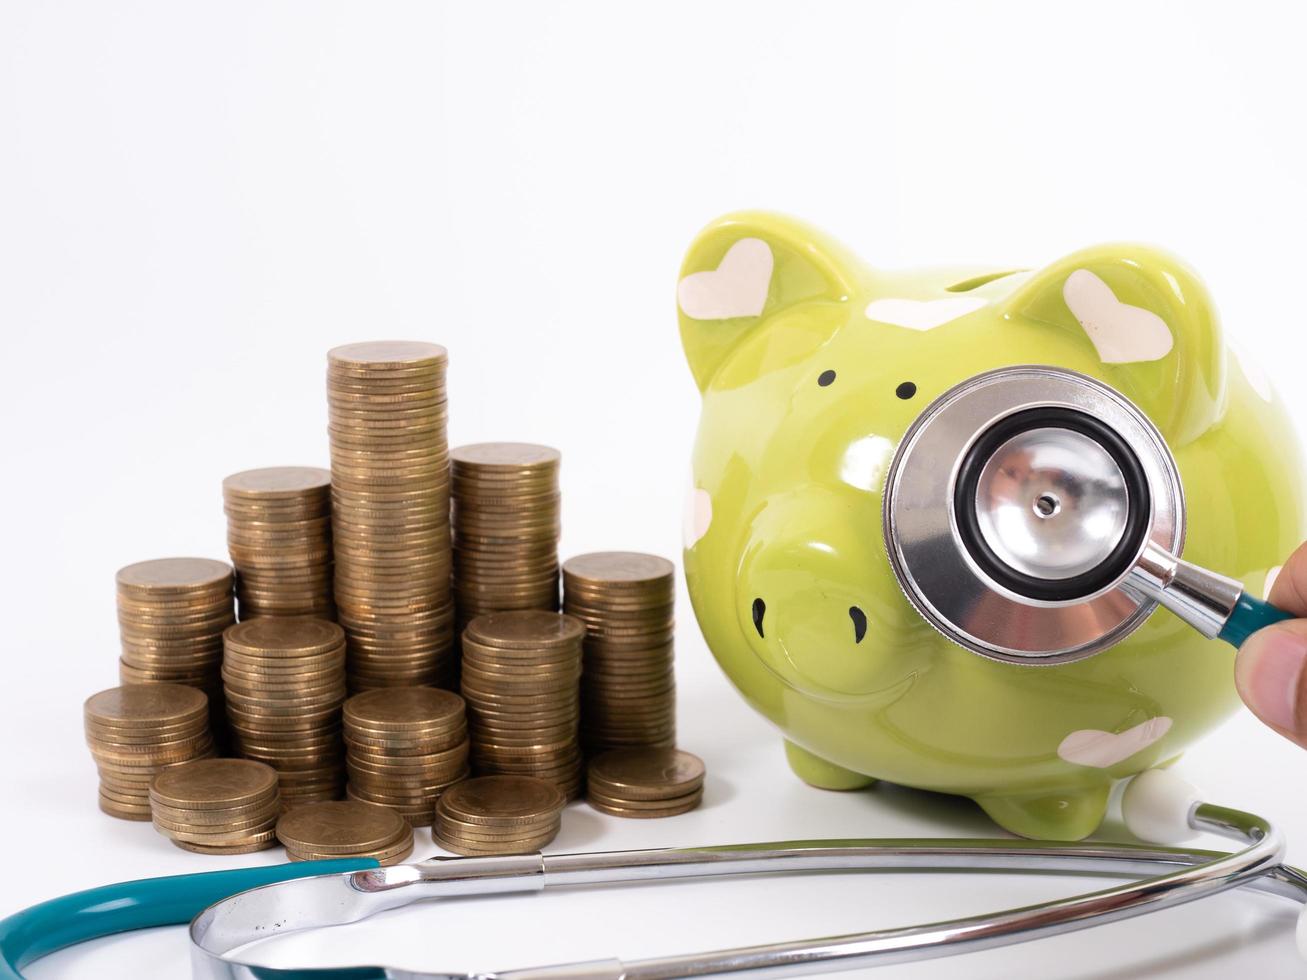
(645, 782)
(506, 527)
(498, 815)
(137, 731)
(217, 806)
(628, 686)
(390, 512)
(521, 682)
(279, 538)
(403, 747)
(345, 829)
(285, 682)
(171, 614)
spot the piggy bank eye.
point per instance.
(825, 378)
(906, 390)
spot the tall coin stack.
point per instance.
(285, 682)
(521, 682)
(279, 537)
(171, 614)
(390, 512)
(137, 731)
(403, 747)
(628, 688)
(506, 527)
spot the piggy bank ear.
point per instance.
(745, 267)
(1145, 317)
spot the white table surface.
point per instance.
(58, 842)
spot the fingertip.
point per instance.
(1270, 672)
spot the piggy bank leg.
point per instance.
(1070, 814)
(818, 772)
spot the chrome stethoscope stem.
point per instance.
(1202, 598)
(1173, 876)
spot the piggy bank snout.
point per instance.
(818, 603)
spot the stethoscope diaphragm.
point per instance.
(1034, 515)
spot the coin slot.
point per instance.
(975, 282)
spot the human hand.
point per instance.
(1270, 669)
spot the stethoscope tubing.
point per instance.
(1171, 877)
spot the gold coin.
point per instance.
(668, 808)
(525, 630)
(284, 637)
(260, 844)
(387, 357)
(146, 706)
(170, 576)
(502, 800)
(208, 784)
(340, 827)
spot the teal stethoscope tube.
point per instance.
(1250, 615)
(70, 919)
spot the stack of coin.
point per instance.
(217, 806)
(285, 682)
(645, 782)
(345, 828)
(628, 690)
(521, 681)
(171, 614)
(506, 527)
(390, 512)
(279, 537)
(137, 731)
(498, 815)
(403, 747)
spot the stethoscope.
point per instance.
(1016, 502)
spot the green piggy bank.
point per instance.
(811, 366)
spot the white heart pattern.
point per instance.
(916, 314)
(1102, 750)
(1121, 333)
(737, 287)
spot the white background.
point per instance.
(198, 199)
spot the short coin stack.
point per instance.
(171, 614)
(390, 512)
(645, 782)
(506, 527)
(403, 747)
(498, 815)
(521, 681)
(217, 806)
(279, 537)
(628, 688)
(137, 731)
(345, 828)
(285, 681)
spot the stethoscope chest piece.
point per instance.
(1016, 507)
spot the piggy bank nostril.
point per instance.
(859, 623)
(759, 610)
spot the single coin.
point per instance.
(208, 784)
(174, 575)
(502, 800)
(292, 635)
(340, 827)
(381, 355)
(640, 812)
(140, 706)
